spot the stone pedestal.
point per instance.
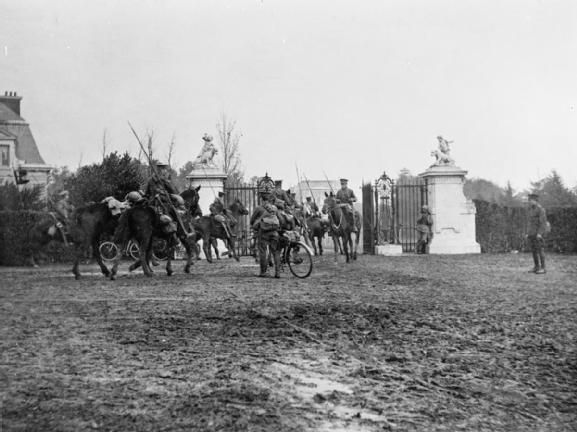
(389, 249)
(453, 215)
(211, 182)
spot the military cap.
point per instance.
(309, 198)
(220, 194)
(344, 180)
(278, 182)
(534, 196)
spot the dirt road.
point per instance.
(428, 343)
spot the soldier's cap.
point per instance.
(344, 180)
(278, 182)
(533, 196)
(425, 208)
(220, 194)
(161, 164)
(309, 198)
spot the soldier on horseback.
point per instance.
(160, 193)
(311, 209)
(346, 197)
(63, 208)
(218, 212)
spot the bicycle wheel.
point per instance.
(299, 260)
(134, 250)
(160, 249)
(108, 250)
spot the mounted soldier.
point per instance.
(161, 195)
(311, 209)
(346, 197)
(219, 213)
(279, 193)
(63, 209)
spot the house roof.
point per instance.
(13, 124)
(6, 114)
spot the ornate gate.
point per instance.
(390, 212)
(248, 195)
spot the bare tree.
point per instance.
(229, 149)
(104, 143)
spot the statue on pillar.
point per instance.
(206, 155)
(442, 155)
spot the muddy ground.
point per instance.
(425, 343)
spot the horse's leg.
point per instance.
(311, 237)
(214, 244)
(232, 248)
(320, 242)
(172, 243)
(206, 248)
(346, 240)
(145, 244)
(336, 245)
(96, 252)
(190, 258)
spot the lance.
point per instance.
(156, 175)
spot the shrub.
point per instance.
(503, 229)
(15, 244)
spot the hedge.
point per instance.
(503, 229)
(15, 243)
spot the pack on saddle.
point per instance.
(221, 215)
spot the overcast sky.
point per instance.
(346, 88)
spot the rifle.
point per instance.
(156, 176)
(330, 185)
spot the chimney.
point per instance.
(12, 101)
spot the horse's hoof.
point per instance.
(187, 270)
(169, 273)
(76, 276)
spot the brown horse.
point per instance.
(87, 226)
(341, 225)
(141, 223)
(209, 229)
(316, 229)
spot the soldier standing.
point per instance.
(267, 236)
(347, 196)
(537, 227)
(424, 228)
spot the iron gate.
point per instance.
(392, 218)
(247, 194)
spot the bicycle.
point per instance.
(109, 250)
(296, 254)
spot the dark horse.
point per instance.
(142, 223)
(85, 228)
(316, 229)
(209, 229)
(341, 222)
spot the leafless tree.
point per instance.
(171, 149)
(229, 149)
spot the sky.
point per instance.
(329, 88)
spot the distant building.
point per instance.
(315, 189)
(20, 160)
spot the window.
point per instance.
(4, 155)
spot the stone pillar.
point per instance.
(453, 215)
(211, 182)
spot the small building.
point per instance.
(20, 160)
(315, 189)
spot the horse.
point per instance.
(341, 222)
(208, 229)
(316, 229)
(87, 226)
(142, 223)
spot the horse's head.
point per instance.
(329, 203)
(237, 207)
(191, 198)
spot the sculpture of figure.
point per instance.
(384, 188)
(442, 155)
(207, 153)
